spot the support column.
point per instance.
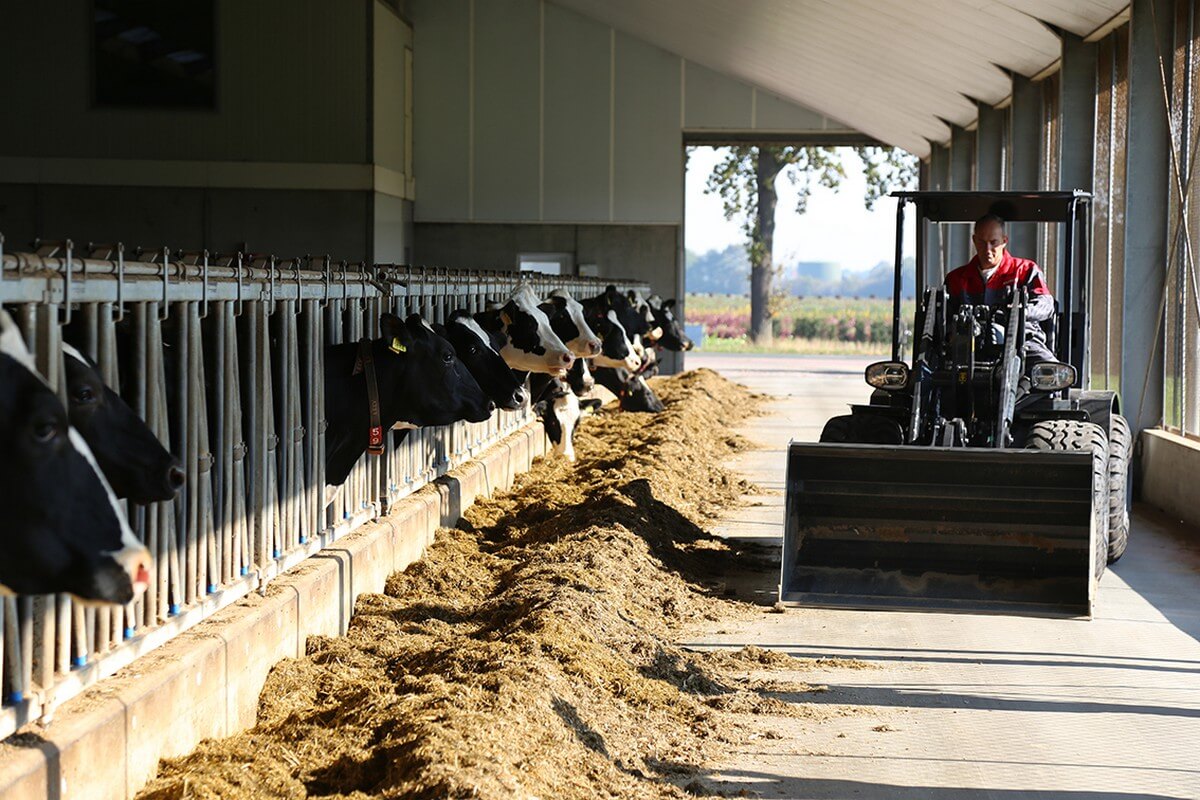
(1147, 188)
(939, 180)
(989, 148)
(1078, 101)
(962, 163)
(1024, 156)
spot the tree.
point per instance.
(745, 181)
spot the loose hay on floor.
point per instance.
(529, 653)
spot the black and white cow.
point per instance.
(133, 460)
(560, 409)
(673, 336)
(62, 529)
(631, 389)
(648, 327)
(615, 350)
(567, 320)
(474, 348)
(420, 380)
(523, 336)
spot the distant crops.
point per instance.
(865, 322)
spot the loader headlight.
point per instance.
(1050, 376)
(889, 375)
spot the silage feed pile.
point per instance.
(529, 653)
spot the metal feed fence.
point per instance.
(223, 356)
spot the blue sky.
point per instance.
(837, 227)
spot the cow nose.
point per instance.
(175, 478)
(519, 397)
(491, 406)
(594, 347)
(136, 562)
(567, 359)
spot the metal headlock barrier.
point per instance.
(223, 356)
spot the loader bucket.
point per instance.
(1006, 531)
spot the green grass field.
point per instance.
(808, 325)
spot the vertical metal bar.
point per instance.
(1068, 275)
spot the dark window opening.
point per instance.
(154, 54)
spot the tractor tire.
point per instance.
(1072, 435)
(837, 430)
(1120, 449)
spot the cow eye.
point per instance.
(45, 430)
(83, 394)
(472, 350)
(447, 358)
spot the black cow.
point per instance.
(62, 529)
(522, 334)
(631, 389)
(474, 348)
(133, 460)
(673, 336)
(421, 382)
(615, 350)
(559, 409)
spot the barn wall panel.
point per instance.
(441, 120)
(305, 101)
(507, 104)
(577, 88)
(713, 100)
(648, 152)
(391, 37)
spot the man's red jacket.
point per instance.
(965, 286)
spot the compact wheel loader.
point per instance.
(973, 479)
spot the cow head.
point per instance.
(648, 327)
(474, 348)
(62, 529)
(560, 409)
(579, 377)
(530, 344)
(421, 380)
(135, 463)
(631, 390)
(616, 350)
(568, 323)
(673, 337)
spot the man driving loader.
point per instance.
(991, 277)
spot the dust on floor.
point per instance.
(530, 652)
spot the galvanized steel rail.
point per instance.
(225, 361)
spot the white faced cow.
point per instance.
(568, 323)
(524, 337)
(62, 529)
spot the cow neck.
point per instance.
(366, 364)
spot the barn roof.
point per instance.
(897, 70)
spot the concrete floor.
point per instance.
(960, 705)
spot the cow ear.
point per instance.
(395, 333)
(509, 312)
(669, 304)
(590, 405)
(439, 329)
(540, 407)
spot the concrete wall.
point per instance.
(1167, 476)
(205, 683)
(647, 252)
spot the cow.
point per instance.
(673, 336)
(522, 334)
(615, 350)
(559, 409)
(648, 327)
(419, 381)
(474, 348)
(631, 389)
(579, 377)
(567, 320)
(62, 529)
(131, 457)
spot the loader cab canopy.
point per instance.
(1069, 210)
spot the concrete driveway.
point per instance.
(963, 705)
